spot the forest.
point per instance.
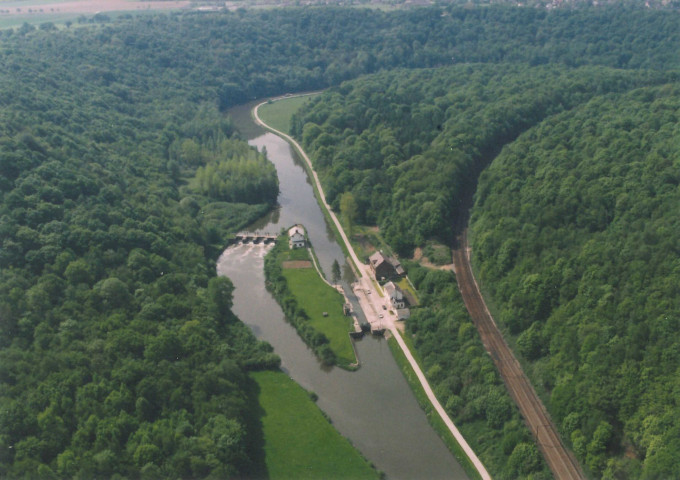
(408, 144)
(465, 380)
(574, 238)
(121, 180)
(120, 355)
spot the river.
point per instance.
(374, 406)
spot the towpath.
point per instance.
(372, 303)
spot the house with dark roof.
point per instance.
(385, 267)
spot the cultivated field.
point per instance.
(15, 13)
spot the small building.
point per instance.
(296, 237)
(395, 295)
(385, 267)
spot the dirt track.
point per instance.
(297, 264)
(560, 460)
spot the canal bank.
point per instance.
(374, 407)
(371, 306)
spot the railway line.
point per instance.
(560, 460)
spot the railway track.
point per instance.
(560, 460)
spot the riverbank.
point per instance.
(372, 406)
(372, 304)
(432, 415)
(318, 188)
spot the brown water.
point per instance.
(373, 407)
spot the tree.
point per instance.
(524, 459)
(221, 294)
(78, 271)
(348, 210)
(114, 293)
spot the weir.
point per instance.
(254, 237)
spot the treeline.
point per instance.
(575, 234)
(466, 381)
(296, 315)
(231, 172)
(237, 56)
(409, 144)
(120, 354)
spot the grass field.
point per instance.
(316, 297)
(299, 442)
(15, 13)
(278, 114)
(295, 254)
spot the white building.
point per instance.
(296, 237)
(395, 295)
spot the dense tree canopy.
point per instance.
(465, 380)
(575, 234)
(120, 354)
(120, 180)
(409, 144)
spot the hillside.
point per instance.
(575, 235)
(409, 144)
(121, 178)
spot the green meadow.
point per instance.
(300, 442)
(278, 113)
(316, 297)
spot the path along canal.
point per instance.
(374, 406)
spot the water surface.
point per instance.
(374, 406)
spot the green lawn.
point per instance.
(278, 114)
(296, 254)
(316, 297)
(299, 442)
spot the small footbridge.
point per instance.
(256, 238)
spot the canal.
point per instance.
(374, 406)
